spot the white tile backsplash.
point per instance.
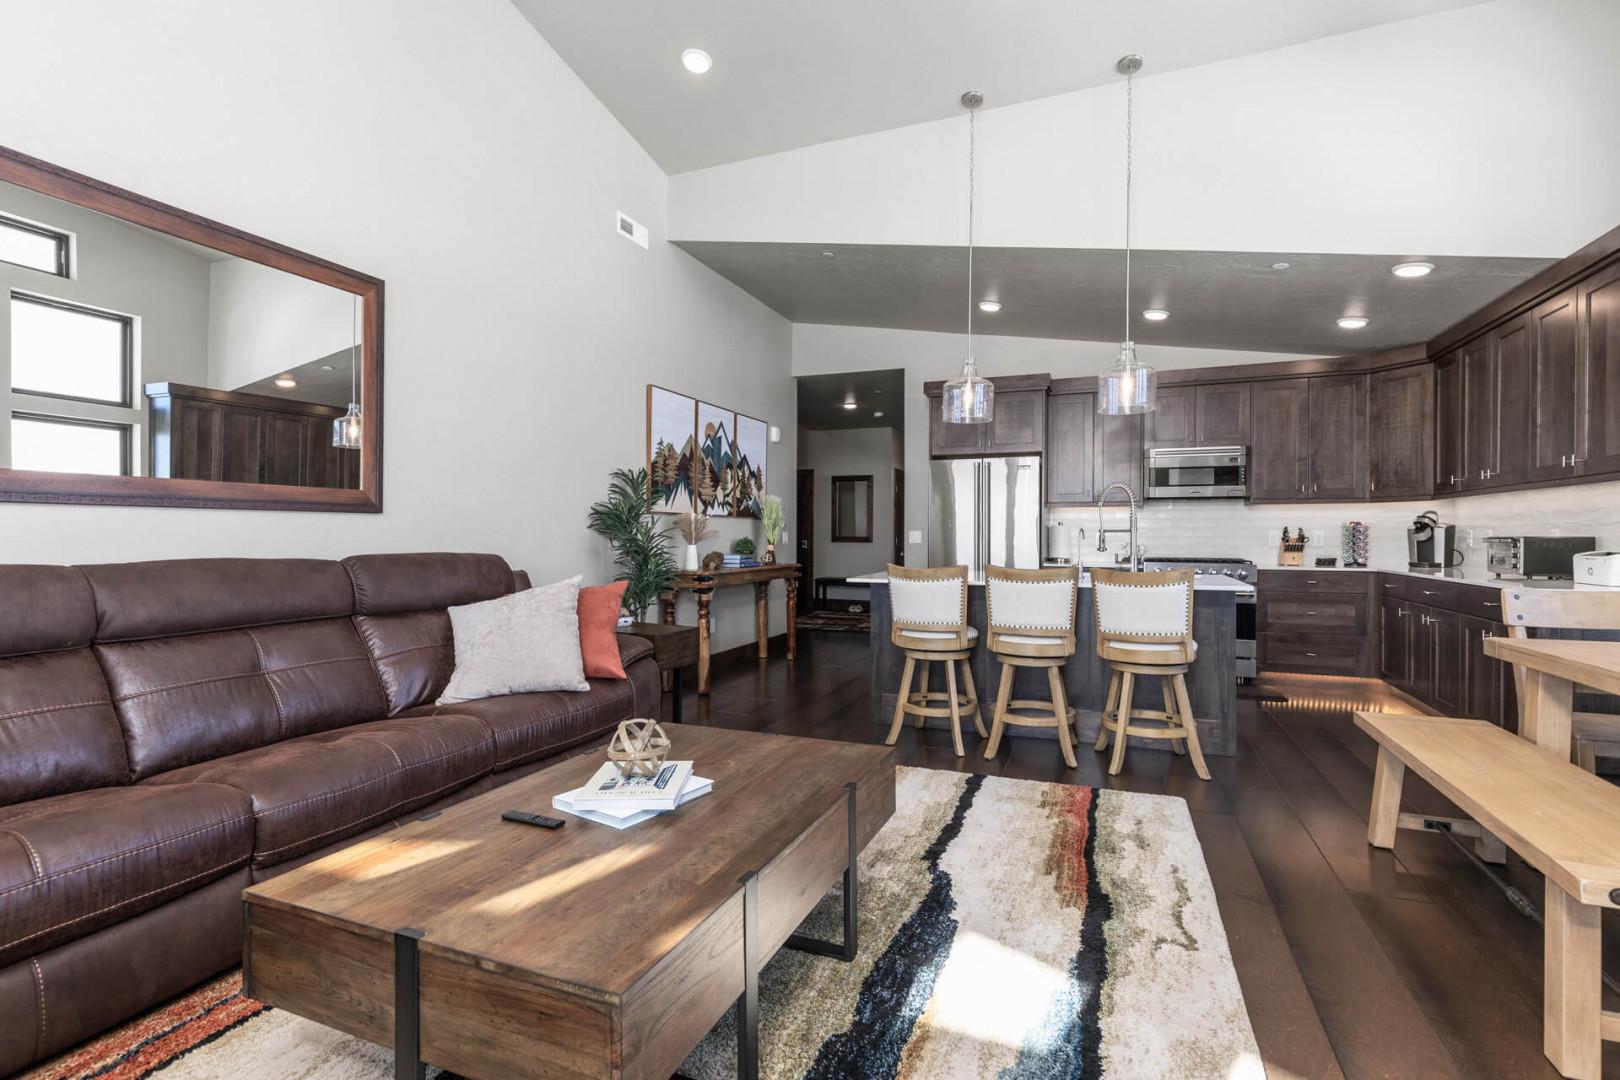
(1228, 528)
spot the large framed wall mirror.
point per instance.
(852, 509)
(152, 357)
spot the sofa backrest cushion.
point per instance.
(58, 732)
(401, 604)
(190, 596)
(197, 697)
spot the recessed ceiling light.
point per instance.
(850, 405)
(1155, 314)
(1352, 322)
(826, 254)
(286, 382)
(989, 307)
(1411, 269)
(1281, 266)
(696, 61)
(327, 367)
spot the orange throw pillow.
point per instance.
(599, 630)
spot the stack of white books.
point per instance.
(610, 798)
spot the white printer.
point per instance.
(1598, 568)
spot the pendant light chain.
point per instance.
(970, 398)
(1130, 81)
(972, 175)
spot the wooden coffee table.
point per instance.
(496, 949)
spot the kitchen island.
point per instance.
(1211, 681)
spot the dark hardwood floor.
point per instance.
(1355, 962)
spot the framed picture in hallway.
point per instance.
(671, 439)
(753, 444)
(714, 472)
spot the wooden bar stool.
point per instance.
(929, 609)
(1594, 734)
(1144, 627)
(1032, 625)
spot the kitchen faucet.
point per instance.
(1102, 533)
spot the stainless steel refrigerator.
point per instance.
(985, 512)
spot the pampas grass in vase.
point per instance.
(773, 527)
(693, 527)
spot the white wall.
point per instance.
(118, 268)
(927, 357)
(446, 149)
(1443, 135)
(263, 321)
(874, 452)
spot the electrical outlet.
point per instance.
(914, 536)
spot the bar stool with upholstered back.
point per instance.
(1525, 609)
(929, 624)
(1144, 627)
(1032, 625)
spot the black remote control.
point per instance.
(523, 817)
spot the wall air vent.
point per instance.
(631, 229)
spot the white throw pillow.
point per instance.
(520, 643)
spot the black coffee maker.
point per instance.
(1431, 545)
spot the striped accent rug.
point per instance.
(1009, 929)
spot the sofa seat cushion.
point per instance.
(309, 792)
(73, 864)
(532, 726)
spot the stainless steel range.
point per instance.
(1239, 570)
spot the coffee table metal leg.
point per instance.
(408, 1006)
(844, 951)
(748, 1004)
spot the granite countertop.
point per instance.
(1204, 583)
(1469, 575)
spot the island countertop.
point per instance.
(1201, 583)
(1211, 680)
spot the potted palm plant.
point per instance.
(640, 547)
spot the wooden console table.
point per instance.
(702, 585)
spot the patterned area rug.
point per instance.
(1009, 929)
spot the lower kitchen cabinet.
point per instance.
(1436, 649)
(1394, 644)
(1315, 623)
(1488, 692)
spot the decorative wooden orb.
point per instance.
(713, 561)
(638, 748)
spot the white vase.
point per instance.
(691, 561)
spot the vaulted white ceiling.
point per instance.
(791, 74)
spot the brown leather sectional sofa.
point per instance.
(172, 731)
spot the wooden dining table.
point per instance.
(1552, 669)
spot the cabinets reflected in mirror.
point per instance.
(151, 357)
(852, 509)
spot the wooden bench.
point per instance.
(1561, 820)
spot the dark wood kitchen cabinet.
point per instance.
(1400, 409)
(1557, 391)
(1448, 425)
(1017, 426)
(1487, 683)
(1174, 419)
(1222, 415)
(1598, 304)
(1117, 452)
(1278, 458)
(1071, 473)
(198, 433)
(1479, 421)
(1338, 437)
(1394, 644)
(1317, 623)
(1435, 657)
(1496, 394)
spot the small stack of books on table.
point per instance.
(610, 798)
(740, 562)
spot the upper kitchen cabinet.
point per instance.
(1278, 458)
(1448, 425)
(1400, 411)
(1222, 417)
(1511, 350)
(1117, 453)
(1017, 426)
(1212, 414)
(1598, 301)
(1557, 390)
(1071, 426)
(1479, 426)
(1174, 419)
(1338, 437)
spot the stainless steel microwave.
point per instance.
(1198, 472)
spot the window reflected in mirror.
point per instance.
(852, 509)
(125, 351)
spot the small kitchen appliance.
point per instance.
(1197, 472)
(1430, 544)
(1535, 556)
(1598, 568)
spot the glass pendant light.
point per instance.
(1130, 386)
(969, 398)
(346, 428)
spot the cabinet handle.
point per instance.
(1400, 612)
(1429, 592)
(1310, 654)
(1489, 603)
(1454, 478)
(1310, 581)
(1310, 613)
(1389, 584)
(1315, 487)
(1485, 635)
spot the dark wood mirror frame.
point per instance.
(22, 485)
(845, 532)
